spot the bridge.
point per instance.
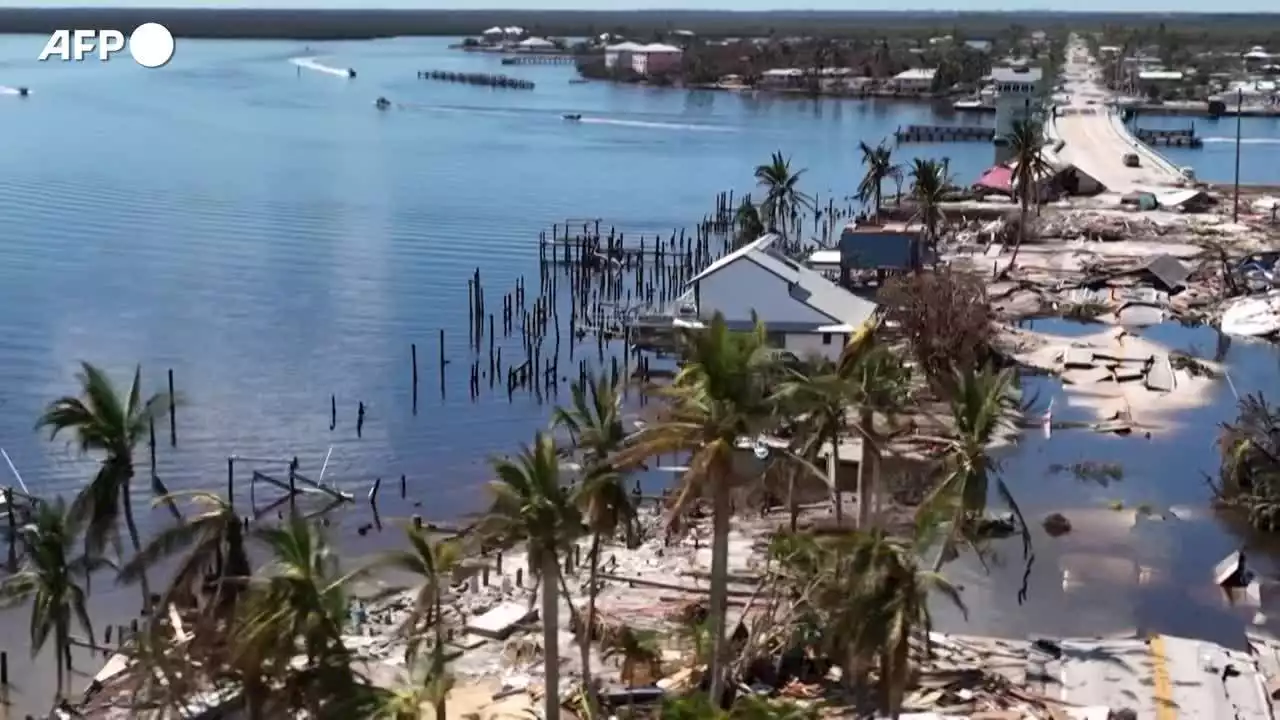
(1096, 139)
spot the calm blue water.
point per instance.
(1215, 160)
(266, 233)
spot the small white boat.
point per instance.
(1253, 316)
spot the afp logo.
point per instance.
(150, 44)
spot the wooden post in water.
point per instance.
(151, 429)
(333, 411)
(13, 532)
(173, 414)
(231, 482)
(442, 363)
(413, 352)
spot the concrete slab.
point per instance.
(501, 621)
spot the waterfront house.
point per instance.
(781, 78)
(535, 44)
(915, 80)
(982, 46)
(493, 35)
(1017, 96)
(619, 55)
(513, 32)
(1256, 57)
(1158, 82)
(803, 312)
(656, 58)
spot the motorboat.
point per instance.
(351, 72)
(573, 117)
(1253, 316)
(22, 92)
(382, 103)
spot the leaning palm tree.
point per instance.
(929, 183)
(1026, 143)
(530, 506)
(102, 421)
(216, 565)
(981, 407)
(783, 198)
(434, 565)
(594, 423)
(48, 579)
(719, 397)
(879, 165)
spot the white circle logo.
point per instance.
(151, 45)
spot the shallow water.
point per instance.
(1106, 547)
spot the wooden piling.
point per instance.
(404, 487)
(442, 363)
(13, 530)
(333, 412)
(173, 413)
(413, 359)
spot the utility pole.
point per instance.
(1235, 209)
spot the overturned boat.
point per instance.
(572, 117)
(382, 103)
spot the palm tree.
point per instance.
(435, 565)
(530, 506)
(890, 601)
(747, 220)
(405, 702)
(879, 383)
(719, 396)
(820, 396)
(48, 579)
(594, 424)
(879, 165)
(929, 183)
(980, 410)
(300, 596)
(1026, 143)
(216, 555)
(104, 422)
(783, 199)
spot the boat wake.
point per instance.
(1243, 141)
(5, 90)
(310, 63)
(656, 125)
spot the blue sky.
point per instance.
(1162, 6)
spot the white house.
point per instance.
(802, 311)
(619, 55)
(534, 44)
(915, 80)
(643, 59)
(493, 34)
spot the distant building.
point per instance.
(493, 35)
(513, 32)
(879, 249)
(1017, 96)
(915, 80)
(643, 59)
(536, 44)
(982, 46)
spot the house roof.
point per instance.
(1016, 75)
(807, 286)
(626, 46)
(917, 74)
(659, 48)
